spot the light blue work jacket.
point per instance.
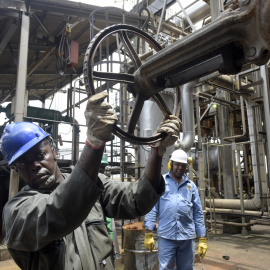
(179, 211)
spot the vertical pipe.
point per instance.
(211, 188)
(210, 201)
(226, 153)
(257, 161)
(162, 15)
(254, 153)
(264, 76)
(214, 9)
(187, 116)
(122, 146)
(74, 128)
(20, 91)
(22, 70)
(190, 167)
(218, 154)
(244, 229)
(107, 51)
(246, 166)
(200, 153)
(234, 172)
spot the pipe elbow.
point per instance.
(187, 142)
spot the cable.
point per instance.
(63, 58)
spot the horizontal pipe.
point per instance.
(253, 204)
(230, 223)
(251, 223)
(234, 212)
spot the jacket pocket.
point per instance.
(100, 241)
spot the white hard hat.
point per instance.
(179, 156)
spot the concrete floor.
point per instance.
(236, 252)
(241, 253)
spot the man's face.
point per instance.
(178, 169)
(37, 165)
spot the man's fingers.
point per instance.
(108, 121)
(100, 111)
(97, 98)
(169, 129)
(172, 121)
(202, 254)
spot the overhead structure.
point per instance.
(206, 62)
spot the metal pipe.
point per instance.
(198, 11)
(170, 28)
(21, 95)
(22, 70)
(179, 12)
(244, 231)
(220, 100)
(253, 204)
(243, 123)
(205, 112)
(187, 117)
(200, 154)
(264, 76)
(257, 158)
(234, 168)
(162, 16)
(186, 16)
(234, 212)
(251, 223)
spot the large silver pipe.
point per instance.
(187, 117)
(253, 204)
(150, 118)
(198, 11)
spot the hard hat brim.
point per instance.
(27, 147)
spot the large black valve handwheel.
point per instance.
(125, 33)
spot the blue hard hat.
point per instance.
(18, 138)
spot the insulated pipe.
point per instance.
(253, 204)
(198, 11)
(187, 117)
(234, 212)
